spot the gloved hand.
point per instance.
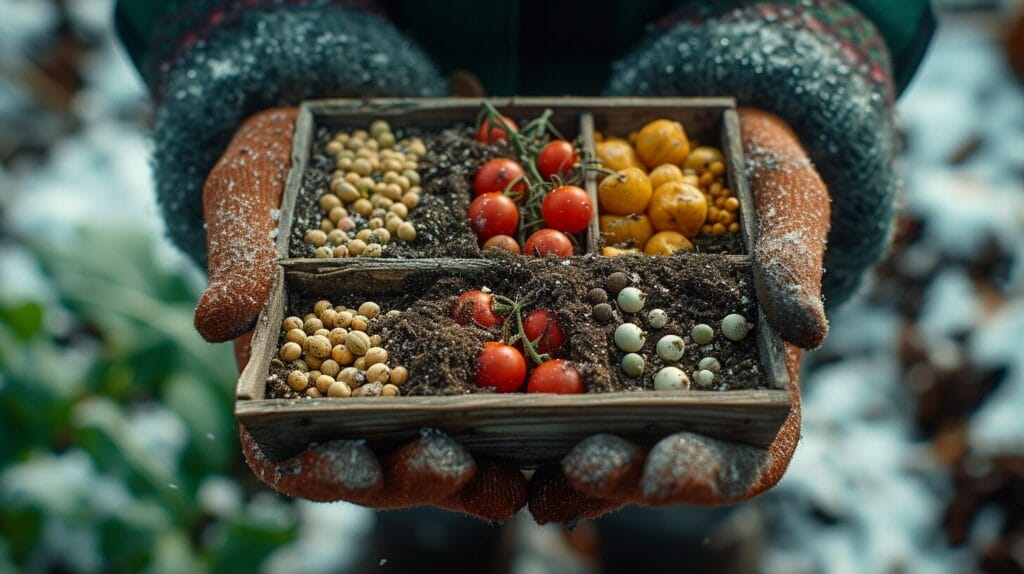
(823, 67)
(241, 190)
(605, 472)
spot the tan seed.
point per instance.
(378, 373)
(339, 390)
(292, 351)
(341, 355)
(314, 393)
(368, 390)
(389, 390)
(291, 323)
(358, 342)
(314, 363)
(337, 335)
(356, 247)
(399, 375)
(330, 367)
(295, 336)
(312, 325)
(359, 363)
(373, 250)
(343, 319)
(298, 380)
(316, 237)
(407, 232)
(376, 355)
(360, 323)
(319, 346)
(329, 201)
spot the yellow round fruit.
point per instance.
(667, 243)
(626, 230)
(617, 252)
(701, 158)
(664, 173)
(678, 206)
(616, 154)
(662, 141)
(624, 192)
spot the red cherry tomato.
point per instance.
(496, 174)
(542, 323)
(476, 305)
(555, 376)
(500, 366)
(490, 131)
(557, 158)
(548, 242)
(567, 208)
(493, 214)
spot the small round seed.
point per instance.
(631, 299)
(341, 355)
(657, 318)
(298, 380)
(671, 348)
(671, 379)
(407, 232)
(369, 309)
(319, 346)
(702, 334)
(735, 327)
(629, 337)
(295, 336)
(709, 364)
(378, 373)
(633, 365)
(358, 342)
(376, 355)
(399, 375)
(290, 352)
(291, 323)
(704, 378)
(339, 390)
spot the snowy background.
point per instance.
(118, 449)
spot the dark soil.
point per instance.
(441, 355)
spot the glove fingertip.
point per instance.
(604, 466)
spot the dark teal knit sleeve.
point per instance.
(240, 57)
(821, 66)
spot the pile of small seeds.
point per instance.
(373, 189)
(630, 337)
(705, 170)
(331, 355)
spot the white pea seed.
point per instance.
(369, 309)
(633, 365)
(356, 247)
(319, 346)
(631, 300)
(671, 379)
(298, 380)
(704, 378)
(290, 352)
(709, 364)
(358, 342)
(399, 375)
(316, 237)
(339, 390)
(378, 373)
(657, 318)
(629, 337)
(295, 336)
(341, 355)
(735, 327)
(330, 367)
(290, 323)
(389, 390)
(702, 334)
(671, 348)
(376, 355)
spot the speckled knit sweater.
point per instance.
(820, 64)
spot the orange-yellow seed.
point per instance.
(734, 227)
(717, 229)
(731, 203)
(706, 229)
(716, 168)
(706, 179)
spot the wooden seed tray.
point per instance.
(528, 429)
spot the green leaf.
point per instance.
(26, 319)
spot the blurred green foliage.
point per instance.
(118, 448)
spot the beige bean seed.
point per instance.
(412, 175)
(344, 163)
(360, 322)
(375, 341)
(411, 200)
(339, 390)
(314, 363)
(322, 252)
(369, 309)
(362, 206)
(297, 336)
(393, 313)
(378, 212)
(368, 390)
(353, 178)
(341, 251)
(351, 376)
(392, 224)
(319, 346)
(337, 334)
(346, 224)
(314, 393)
(328, 317)
(298, 380)
(404, 183)
(378, 373)
(330, 367)
(290, 323)
(336, 214)
(344, 319)
(376, 355)
(324, 382)
(381, 235)
(356, 247)
(337, 237)
(375, 223)
(360, 363)
(358, 342)
(316, 237)
(334, 147)
(417, 148)
(362, 166)
(373, 250)
(313, 376)
(300, 365)
(329, 201)
(326, 225)
(321, 306)
(389, 390)
(399, 375)
(291, 351)
(312, 325)
(407, 232)
(364, 235)
(308, 316)
(341, 355)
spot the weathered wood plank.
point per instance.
(528, 429)
(252, 382)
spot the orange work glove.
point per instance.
(241, 191)
(605, 472)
